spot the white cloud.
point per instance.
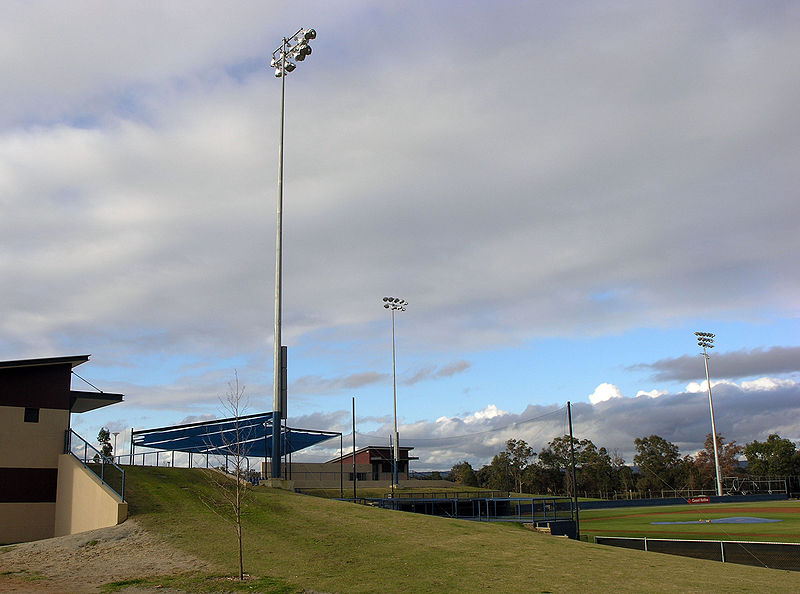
(604, 392)
(490, 412)
(767, 383)
(651, 393)
(695, 387)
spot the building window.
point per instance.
(31, 415)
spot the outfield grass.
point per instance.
(637, 521)
(297, 542)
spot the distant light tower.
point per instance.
(706, 341)
(114, 453)
(395, 304)
(292, 49)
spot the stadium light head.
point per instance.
(293, 48)
(705, 340)
(395, 303)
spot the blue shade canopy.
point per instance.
(220, 437)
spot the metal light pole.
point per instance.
(394, 304)
(706, 341)
(291, 49)
(114, 453)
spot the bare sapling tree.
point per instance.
(230, 492)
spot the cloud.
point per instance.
(137, 181)
(434, 373)
(651, 393)
(314, 384)
(605, 392)
(736, 364)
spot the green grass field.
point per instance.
(295, 542)
(637, 521)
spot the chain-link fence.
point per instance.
(774, 555)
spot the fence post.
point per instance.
(645, 544)
(722, 551)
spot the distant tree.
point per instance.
(659, 461)
(774, 457)
(104, 439)
(555, 461)
(623, 474)
(483, 474)
(728, 460)
(593, 467)
(596, 472)
(497, 474)
(464, 474)
(519, 456)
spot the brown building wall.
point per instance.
(40, 386)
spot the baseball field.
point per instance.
(773, 521)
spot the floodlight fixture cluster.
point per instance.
(705, 340)
(395, 303)
(292, 49)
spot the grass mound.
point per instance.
(300, 542)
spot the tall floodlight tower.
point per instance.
(394, 304)
(292, 49)
(706, 341)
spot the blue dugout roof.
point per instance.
(219, 437)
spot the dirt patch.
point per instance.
(84, 562)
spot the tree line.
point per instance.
(658, 466)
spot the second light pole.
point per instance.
(706, 341)
(395, 304)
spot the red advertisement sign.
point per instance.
(702, 499)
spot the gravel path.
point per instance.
(84, 562)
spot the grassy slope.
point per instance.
(637, 521)
(334, 546)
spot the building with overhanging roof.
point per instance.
(43, 490)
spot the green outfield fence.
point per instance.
(773, 555)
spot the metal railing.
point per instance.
(446, 494)
(109, 473)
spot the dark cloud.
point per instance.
(314, 384)
(433, 373)
(737, 364)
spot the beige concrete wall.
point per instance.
(32, 445)
(83, 502)
(21, 522)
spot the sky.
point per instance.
(563, 192)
